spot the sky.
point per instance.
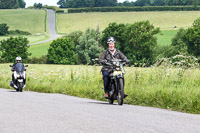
(50, 2)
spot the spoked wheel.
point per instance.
(120, 97)
(110, 100)
(20, 87)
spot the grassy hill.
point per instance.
(166, 20)
(32, 21)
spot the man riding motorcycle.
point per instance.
(18, 60)
(106, 56)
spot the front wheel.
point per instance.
(120, 97)
(20, 87)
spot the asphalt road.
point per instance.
(52, 28)
(30, 112)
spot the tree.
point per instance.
(178, 43)
(140, 41)
(192, 38)
(12, 4)
(62, 51)
(3, 29)
(13, 47)
(114, 30)
(89, 46)
(37, 5)
(137, 40)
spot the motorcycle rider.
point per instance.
(106, 56)
(18, 60)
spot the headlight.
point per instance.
(116, 73)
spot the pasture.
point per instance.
(32, 21)
(166, 20)
(169, 88)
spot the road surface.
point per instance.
(52, 28)
(31, 112)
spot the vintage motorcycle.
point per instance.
(116, 81)
(19, 77)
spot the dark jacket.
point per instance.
(106, 55)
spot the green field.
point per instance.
(40, 49)
(165, 37)
(166, 20)
(174, 89)
(32, 21)
(32, 39)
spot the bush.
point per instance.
(62, 51)
(13, 47)
(18, 32)
(89, 46)
(75, 36)
(3, 29)
(178, 61)
(129, 9)
(178, 42)
(136, 41)
(192, 38)
(35, 60)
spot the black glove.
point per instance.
(103, 62)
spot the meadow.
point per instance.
(166, 20)
(32, 21)
(169, 88)
(39, 49)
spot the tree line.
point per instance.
(115, 3)
(12, 4)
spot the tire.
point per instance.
(120, 97)
(110, 100)
(20, 87)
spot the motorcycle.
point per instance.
(19, 77)
(116, 84)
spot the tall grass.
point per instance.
(174, 89)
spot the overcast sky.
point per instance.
(50, 2)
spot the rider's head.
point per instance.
(18, 59)
(111, 43)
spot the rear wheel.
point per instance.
(120, 97)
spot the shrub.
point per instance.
(89, 46)
(62, 51)
(178, 61)
(136, 41)
(13, 47)
(192, 38)
(35, 60)
(18, 32)
(3, 29)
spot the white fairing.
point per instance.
(24, 75)
(20, 80)
(15, 74)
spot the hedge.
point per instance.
(129, 9)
